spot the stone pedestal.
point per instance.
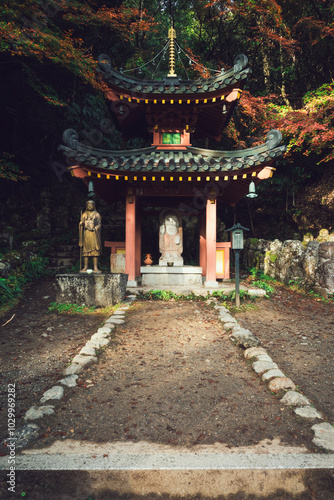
(156, 276)
(117, 263)
(211, 284)
(98, 290)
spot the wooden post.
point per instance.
(237, 280)
(138, 240)
(211, 231)
(130, 239)
(202, 243)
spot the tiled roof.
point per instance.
(174, 85)
(190, 160)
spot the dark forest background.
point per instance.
(48, 53)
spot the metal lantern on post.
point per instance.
(237, 244)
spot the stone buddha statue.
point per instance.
(170, 238)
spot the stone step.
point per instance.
(121, 470)
(225, 288)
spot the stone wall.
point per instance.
(309, 264)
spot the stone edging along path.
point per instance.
(262, 364)
(87, 356)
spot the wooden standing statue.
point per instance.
(90, 236)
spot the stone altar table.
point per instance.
(156, 276)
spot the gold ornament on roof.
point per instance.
(171, 36)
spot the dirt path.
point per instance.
(170, 375)
(35, 347)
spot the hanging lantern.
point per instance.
(251, 192)
(91, 192)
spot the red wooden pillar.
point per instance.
(138, 240)
(211, 231)
(130, 239)
(202, 243)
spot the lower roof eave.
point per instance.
(227, 189)
(260, 172)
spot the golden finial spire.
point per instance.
(171, 36)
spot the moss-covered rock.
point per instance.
(325, 267)
(307, 238)
(323, 235)
(273, 256)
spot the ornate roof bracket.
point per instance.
(70, 137)
(240, 63)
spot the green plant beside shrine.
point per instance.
(70, 309)
(11, 286)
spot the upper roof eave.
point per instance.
(235, 76)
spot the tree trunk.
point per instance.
(265, 54)
(283, 81)
(266, 68)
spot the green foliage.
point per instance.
(35, 268)
(75, 268)
(295, 282)
(261, 280)
(70, 308)
(9, 170)
(51, 32)
(55, 307)
(218, 294)
(230, 297)
(259, 275)
(227, 298)
(169, 295)
(166, 295)
(44, 90)
(158, 295)
(6, 292)
(253, 242)
(316, 296)
(264, 286)
(29, 270)
(308, 130)
(320, 96)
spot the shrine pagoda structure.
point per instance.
(171, 172)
